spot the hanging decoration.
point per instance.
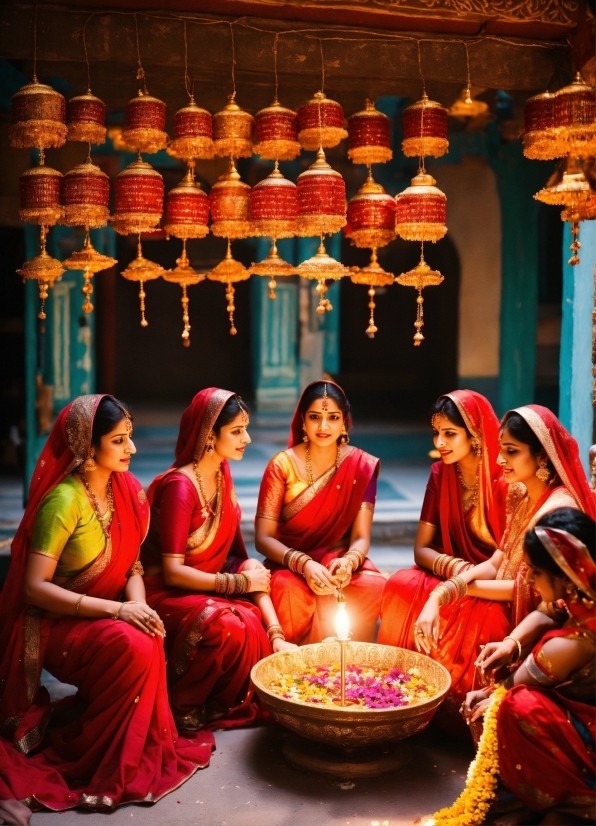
(575, 119)
(425, 125)
(229, 200)
(465, 106)
(193, 133)
(272, 267)
(40, 194)
(277, 133)
(138, 198)
(144, 129)
(371, 216)
(86, 114)
(372, 276)
(539, 137)
(229, 272)
(274, 206)
(321, 123)
(90, 261)
(184, 275)
(420, 277)
(369, 136)
(322, 268)
(421, 210)
(142, 270)
(321, 193)
(44, 269)
(187, 209)
(85, 196)
(38, 117)
(232, 130)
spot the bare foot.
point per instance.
(14, 813)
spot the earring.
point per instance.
(571, 590)
(542, 473)
(305, 437)
(344, 438)
(476, 446)
(210, 446)
(89, 464)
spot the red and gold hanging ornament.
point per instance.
(145, 124)
(40, 195)
(425, 126)
(568, 187)
(372, 276)
(321, 123)
(229, 272)
(90, 261)
(229, 201)
(540, 133)
(38, 117)
(274, 206)
(369, 136)
(420, 277)
(184, 275)
(187, 209)
(321, 193)
(86, 119)
(421, 210)
(322, 268)
(138, 199)
(142, 270)
(85, 196)
(193, 133)
(277, 133)
(371, 216)
(232, 130)
(575, 119)
(44, 269)
(272, 267)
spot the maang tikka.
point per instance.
(325, 400)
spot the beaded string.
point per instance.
(104, 520)
(309, 474)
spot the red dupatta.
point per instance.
(23, 628)
(482, 422)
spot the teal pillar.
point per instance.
(575, 406)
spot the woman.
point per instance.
(460, 521)
(545, 723)
(540, 463)
(74, 603)
(197, 571)
(313, 523)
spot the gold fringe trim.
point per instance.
(326, 137)
(44, 216)
(421, 232)
(541, 145)
(233, 147)
(310, 226)
(187, 148)
(132, 223)
(278, 150)
(145, 140)
(187, 230)
(231, 229)
(424, 147)
(370, 238)
(370, 154)
(37, 134)
(88, 132)
(276, 228)
(85, 215)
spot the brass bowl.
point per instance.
(349, 727)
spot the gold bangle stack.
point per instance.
(228, 585)
(295, 561)
(275, 632)
(445, 566)
(355, 558)
(451, 590)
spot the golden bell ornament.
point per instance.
(187, 209)
(229, 272)
(44, 269)
(277, 133)
(40, 195)
(38, 115)
(539, 138)
(85, 196)
(322, 267)
(321, 193)
(274, 206)
(144, 129)
(321, 123)
(141, 270)
(373, 275)
(193, 133)
(465, 106)
(369, 136)
(371, 216)
(568, 187)
(575, 119)
(90, 262)
(425, 126)
(229, 201)
(138, 199)
(232, 131)
(421, 210)
(272, 267)
(86, 119)
(420, 277)
(184, 275)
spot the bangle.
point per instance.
(117, 614)
(78, 605)
(519, 646)
(356, 557)
(461, 585)
(275, 632)
(295, 561)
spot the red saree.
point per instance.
(318, 522)
(212, 642)
(123, 746)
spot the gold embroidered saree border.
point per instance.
(305, 498)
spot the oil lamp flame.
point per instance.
(342, 621)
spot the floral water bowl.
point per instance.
(354, 725)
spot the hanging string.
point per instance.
(275, 39)
(87, 53)
(140, 70)
(421, 167)
(35, 41)
(186, 77)
(322, 66)
(233, 61)
(469, 82)
(418, 43)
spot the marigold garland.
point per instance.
(471, 807)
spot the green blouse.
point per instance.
(66, 528)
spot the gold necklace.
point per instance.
(309, 474)
(105, 520)
(206, 509)
(473, 499)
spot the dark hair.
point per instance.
(521, 431)
(317, 390)
(228, 413)
(109, 412)
(571, 520)
(448, 408)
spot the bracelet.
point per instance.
(461, 585)
(356, 557)
(295, 561)
(451, 590)
(117, 614)
(232, 584)
(446, 567)
(275, 632)
(78, 605)
(519, 646)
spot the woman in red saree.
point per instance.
(197, 571)
(314, 518)
(461, 519)
(546, 722)
(541, 465)
(74, 558)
